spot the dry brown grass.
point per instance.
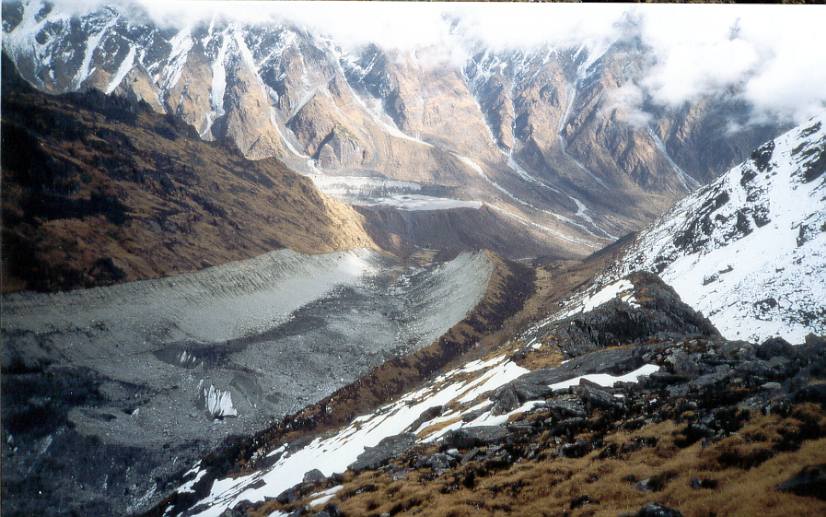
(434, 428)
(548, 486)
(185, 204)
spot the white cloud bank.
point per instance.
(775, 56)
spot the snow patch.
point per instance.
(606, 380)
(124, 68)
(219, 402)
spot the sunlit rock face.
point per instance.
(562, 137)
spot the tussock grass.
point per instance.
(551, 486)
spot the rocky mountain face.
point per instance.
(740, 248)
(545, 136)
(98, 190)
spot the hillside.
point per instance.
(749, 250)
(606, 393)
(635, 405)
(100, 190)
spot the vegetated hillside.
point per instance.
(99, 190)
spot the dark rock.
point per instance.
(809, 482)
(520, 428)
(681, 363)
(775, 346)
(526, 389)
(694, 432)
(752, 369)
(812, 393)
(288, 496)
(314, 476)
(657, 510)
(428, 414)
(580, 501)
(475, 436)
(497, 459)
(655, 483)
(566, 408)
(330, 510)
(697, 483)
(388, 448)
(596, 397)
(470, 455)
(438, 461)
(504, 400)
(569, 426)
(577, 449)
(662, 378)
(710, 381)
(476, 413)
(680, 390)
(661, 315)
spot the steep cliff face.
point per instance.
(558, 136)
(97, 190)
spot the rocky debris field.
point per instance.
(152, 375)
(715, 415)
(652, 413)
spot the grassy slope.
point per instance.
(97, 191)
(746, 467)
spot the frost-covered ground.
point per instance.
(249, 341)
(749, 250)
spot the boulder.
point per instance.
(657, 510)
(809, 482)
(566, 408)
(314, 476)
(577, 449)
(388, 448)
(812, 393)
(474, 436)
(504, 400)
(775, 346)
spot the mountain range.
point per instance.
(543, 137)
(250, 268)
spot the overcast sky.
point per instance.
(777, 54)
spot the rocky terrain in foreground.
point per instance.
(635, 406)
(721, 428)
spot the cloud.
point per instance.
(770, 56)
(626, 101)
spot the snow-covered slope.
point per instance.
(460, 396)
(749, 250)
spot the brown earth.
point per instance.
(405, 232)
(98, 190)
(743, 469)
